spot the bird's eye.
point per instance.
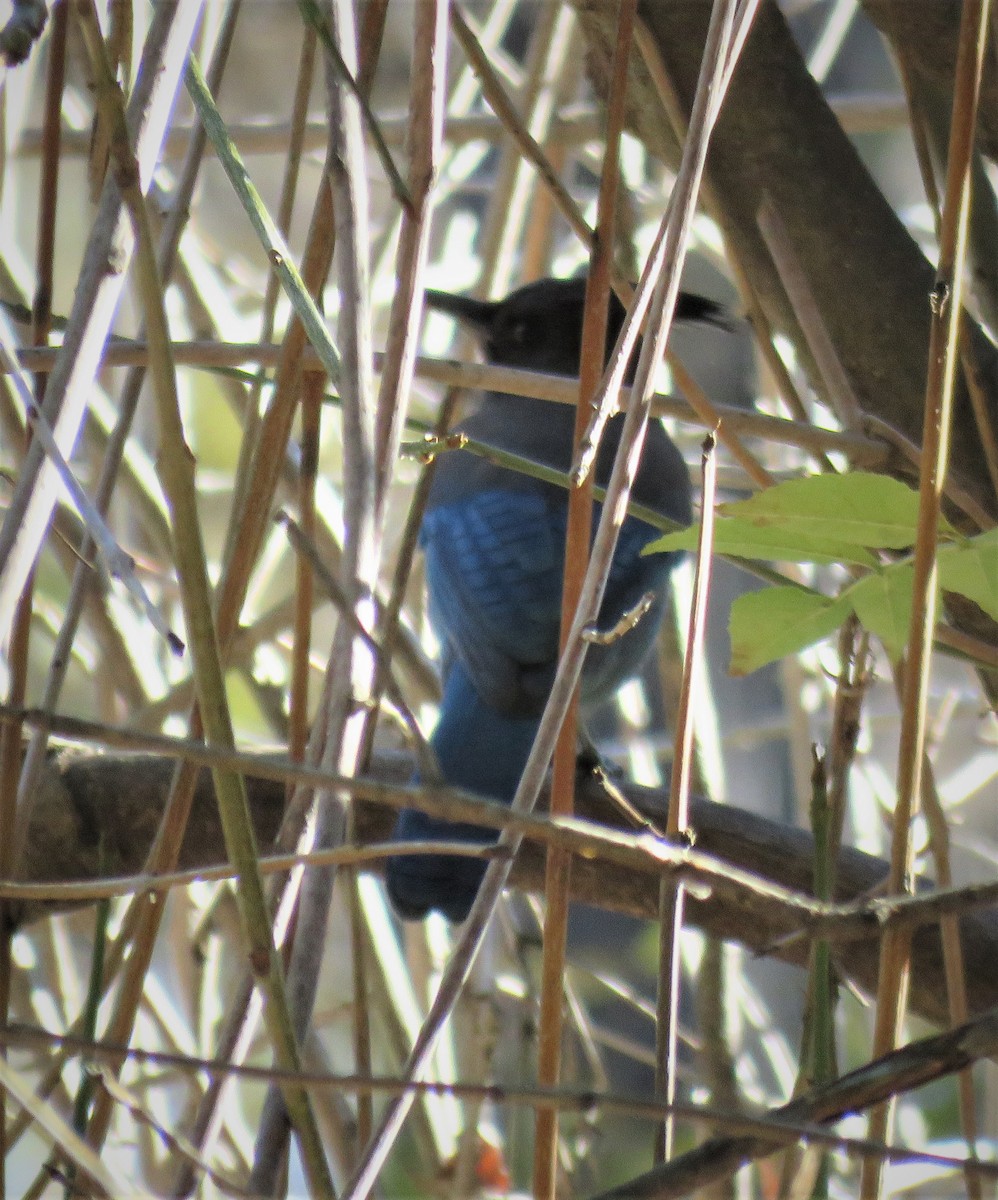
(513, 340)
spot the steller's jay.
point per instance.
(494, 541)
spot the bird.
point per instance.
(494, 546)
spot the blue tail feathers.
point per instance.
(478, 750)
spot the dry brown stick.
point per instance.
(304, 593)
(577, 540)
(861, 113)
(175, 470)
(250, 519)
(369, 40)
(953, 960)
(949, 927)
(672, 898)
(425, 141)
(17, 650)
(250, 516)
(272, 288)
(895, 964)
(507, 224)
(337, 732)
(864, 451)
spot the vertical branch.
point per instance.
(425, 139)
(953, 963)
(372, 32)
(549, 44)
(350, 672)
(672, 893)
(272, 289)
(853, 681)
(427, 103)
(577, 538)
(257, 496)
(947, 310)
(11, 732)
(819, 1048)
(312, 387)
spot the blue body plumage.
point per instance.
(495, 549)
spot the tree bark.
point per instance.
(777, 140)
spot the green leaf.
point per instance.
(777, 621)
(740, 538)
(971, 568)
(861, 509)
(882, 601)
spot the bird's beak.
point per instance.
(477, 314)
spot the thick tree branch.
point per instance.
(903, 1070)
(105, 808)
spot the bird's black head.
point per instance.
(539, 326)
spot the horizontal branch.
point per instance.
(902, 1070)
(861, 451)
(96, 816)
(873, 112)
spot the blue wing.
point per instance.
(493, 563)
(494, 566)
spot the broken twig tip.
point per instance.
(599, 637)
